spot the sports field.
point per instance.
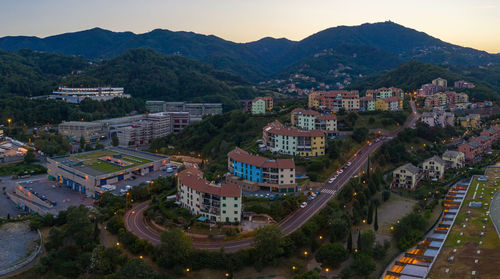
(473, 241)
(92, 160)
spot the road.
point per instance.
(134, 220)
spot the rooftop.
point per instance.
(193, 178)
(94, 164)
(409, 167)
(241, 155)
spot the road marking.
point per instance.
(328, 191)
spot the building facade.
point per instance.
(433, 168)
(91, 131)
(196, 110)
(88, 172)
(292, 141)
(253, 173)
(454, 159)
(407, 177)
(215, 202)
(76, 95)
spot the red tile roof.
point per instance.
(241, 155)
(327, 117)
(193, 178)
(279, 129)
(304, 111)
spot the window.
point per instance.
(223, 212)
(235, 212)
(223, 198)
(223, 205)
(235, 199)
(235, 205)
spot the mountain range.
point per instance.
(368, 47)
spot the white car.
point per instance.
(304, 204)
(348, 164)
(341, 171)
(370, 144)
(331, 180)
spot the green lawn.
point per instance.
(92, 160)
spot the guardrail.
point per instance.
(26, 261)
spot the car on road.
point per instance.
(377, 140)
(341, 171)
(304, 204)
(370, 143)
(331, 180)
(348, 164)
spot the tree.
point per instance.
(375, 225)
(386, 195)
(311, 274)
(339, 227)
(135, 268)
(29, 157)
(114, 140)
(370, 213)
(331, 254)
(268, 243)
(363, 264)
(360, 134)
(349, 241)
(366, 241)
(358, 244)
(174, 249)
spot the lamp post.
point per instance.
(9, 120)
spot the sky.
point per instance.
(470, 23)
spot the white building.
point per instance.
(215, 202)
(76, 95)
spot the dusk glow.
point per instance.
(467, 23)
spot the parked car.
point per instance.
(304, 204)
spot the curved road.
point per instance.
(134, 220)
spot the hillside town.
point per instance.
(365, 151)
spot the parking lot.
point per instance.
(61, 195)
(140, 179)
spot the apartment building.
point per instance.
(476, 146)
(367, 103)
(441, 82)
(326, 123)
(292, 141)
(214, 202)
(141, 132)
(389, 104)
(91, 131)
(406, 176)
(463, 84)
(313, 120)
(448, 98)
(454, 159)
(472, 121)
(261, 105)
(334, 100)
(253, 173)
(438, 118)
(382, 93)
(433, 168)
(196, 110)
